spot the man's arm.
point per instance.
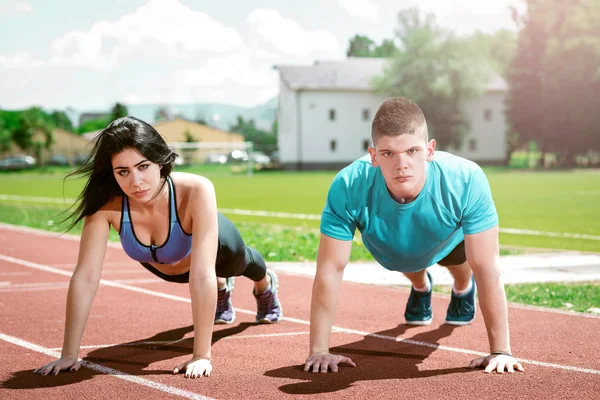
(482, 251)
(332, 258)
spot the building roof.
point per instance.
(353, 73)
(173, 130)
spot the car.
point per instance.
(214, 158)
(17, 162)
(260, 158)
(79, 159)
(238, 156)
(58, 159)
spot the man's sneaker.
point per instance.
(225, 313)
(269, 310)
(418, 309)
(461, 310)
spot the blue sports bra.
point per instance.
(177, 246)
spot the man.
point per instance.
(413, 210)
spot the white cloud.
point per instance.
(163, 52)
(468, 16)
(13, 7)
(159, 30)
(363, 9)
(288, 37)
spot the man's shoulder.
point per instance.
(453, 166)
(360, 170)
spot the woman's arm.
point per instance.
(82, 289)
(203, 279)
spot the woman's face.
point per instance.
(138, 177)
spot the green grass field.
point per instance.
(559, 202)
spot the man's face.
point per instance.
(403, 161)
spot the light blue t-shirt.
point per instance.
(456, 200)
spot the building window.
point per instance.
(332, 114)
(366, 144)
(366, 114)
(332, 145)
(472, 144)
(487, 114)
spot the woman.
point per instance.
(170, 224)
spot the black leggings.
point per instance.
(234, 258)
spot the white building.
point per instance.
(325, 113)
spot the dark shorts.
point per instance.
(234, 258)
(456, 257)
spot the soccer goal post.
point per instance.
(237, 155)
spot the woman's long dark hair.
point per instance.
(102, 187)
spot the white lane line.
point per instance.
(7, 287)
(54, 235)
(105, 264)
(14, 273)
(36, 289)
(170, 342)
(296, 320)
(106, 370)
(36, 284)
(463, 351)
(32, 287)
(313, 217)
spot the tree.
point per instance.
(118, 111)
(93, 125)
(30, 122)
(499, 47)
(555, 80)
(260, 138)
(436, 70)
(386, 49)
(275, 128)
(61, 120)
(524, 102)
(571, 89)
(362, 46)
(5, 137)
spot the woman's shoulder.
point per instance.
(189, 181)
(191, 185)
(113, 204)
(110, 211)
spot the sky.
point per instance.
(88, 55)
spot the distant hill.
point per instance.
(221, 116)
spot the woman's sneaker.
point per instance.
(225, 313)
(269, 310)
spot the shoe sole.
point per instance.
(223, 322)
(419, 323)
(265, 321)
(459, 323)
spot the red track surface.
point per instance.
(561, 352)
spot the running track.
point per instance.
(140, 328)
